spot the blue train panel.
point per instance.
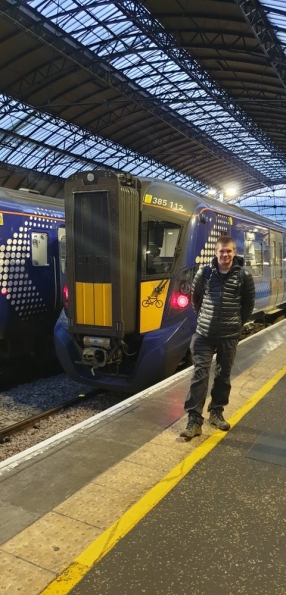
(32, 270)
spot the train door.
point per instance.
(276, 268)
(256, 262)
(48, 267)
(42, 271)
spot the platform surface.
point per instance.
(221, 530)
(121, 500)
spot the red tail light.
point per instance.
(181, 296)
(65, 296)
(180, 300)
(4, 291)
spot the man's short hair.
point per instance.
(225, 240)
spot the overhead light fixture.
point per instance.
(231, 191)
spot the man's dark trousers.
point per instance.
(203, 350)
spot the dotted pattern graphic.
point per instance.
(15, 284)
(208, 251)
(221, 227)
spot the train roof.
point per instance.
(216, 205)
(31, 197)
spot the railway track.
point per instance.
(29, 422)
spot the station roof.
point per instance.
(192, 92)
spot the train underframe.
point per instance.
(131, 365)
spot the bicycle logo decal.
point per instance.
(152, 300)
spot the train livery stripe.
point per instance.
(33, 215)
(93, 304)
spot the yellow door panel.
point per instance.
(94, 304)
(152, 305)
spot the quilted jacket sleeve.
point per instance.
(247, 297)
(197, 290)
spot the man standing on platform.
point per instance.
(223, 298)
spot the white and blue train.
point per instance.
(133, 246)
(32, 271)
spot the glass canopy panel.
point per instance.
(105, 31)
(269, 202)
(276, 13)
(39, 142)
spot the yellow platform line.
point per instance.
(63, 584)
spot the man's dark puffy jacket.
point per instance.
(227, 303)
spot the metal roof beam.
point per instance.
(255, 15)
(29, 20)
(150, 26)
(27, 172)
(20, 147)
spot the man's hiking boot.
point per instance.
(216, 419)
(193, 429)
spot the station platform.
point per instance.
(122, 504)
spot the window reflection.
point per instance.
(162, 239)
(254, 257)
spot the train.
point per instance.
(32, 274)
(133, 246)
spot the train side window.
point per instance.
(162, 239)
(39, 249)
(254, 257)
